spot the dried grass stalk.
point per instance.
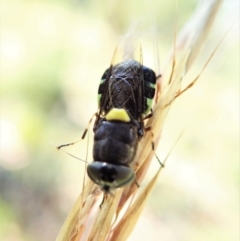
(120, 212)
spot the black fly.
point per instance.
(125, 97)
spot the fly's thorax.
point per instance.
(115, 139)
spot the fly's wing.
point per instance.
(136, 81)
(126, 83)
(127, 49)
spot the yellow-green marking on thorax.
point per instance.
(118, 115)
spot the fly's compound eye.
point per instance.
(113, 176)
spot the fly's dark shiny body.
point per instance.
(125, 96)
(115, 142)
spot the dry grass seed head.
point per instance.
(119, 213)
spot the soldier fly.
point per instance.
(125, 96)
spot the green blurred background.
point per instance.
(53, 54)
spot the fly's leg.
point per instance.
(83, 136)
(141, 124)
(149, 128)
(104, 197)
(148, 116)
(153, 145)
(89, 123)
(136, 182)
(68, 144)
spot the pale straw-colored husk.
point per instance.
(120, 212)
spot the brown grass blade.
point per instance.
(80, 219)
(127, 223)
(194, 34)
(70, 222)
(200, 25)
(122, 231)
(101, 228)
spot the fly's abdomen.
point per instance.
(124, 85)
(149, 88)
